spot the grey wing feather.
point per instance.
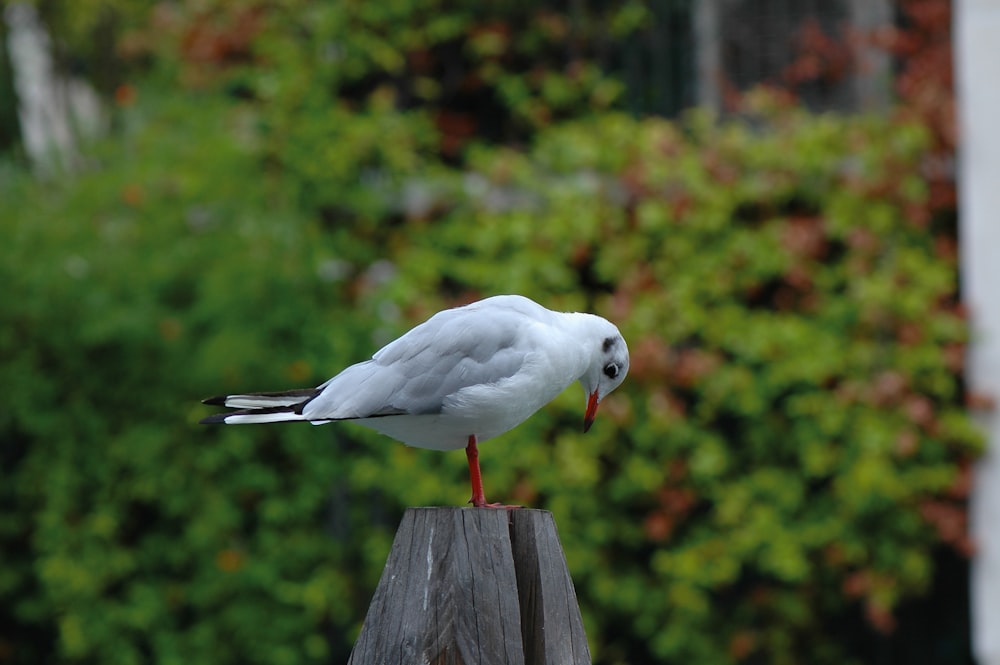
(415, 373)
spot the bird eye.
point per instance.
(611, 370)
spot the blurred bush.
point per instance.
(129, 534)
(790, 445)
(782, 464)
(790, 442)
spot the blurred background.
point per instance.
(210, 196)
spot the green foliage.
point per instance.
(784, 458)
(788, 448)
(495, 72)
(170, 270)
(790, 445)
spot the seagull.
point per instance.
(465, 375)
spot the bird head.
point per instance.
(607, 369)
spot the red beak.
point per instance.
(588, 418)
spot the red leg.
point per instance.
(478, 499)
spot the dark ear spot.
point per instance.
(608, 343)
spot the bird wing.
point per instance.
(414, 374)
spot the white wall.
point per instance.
(977, 50)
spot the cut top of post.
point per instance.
(474, 585)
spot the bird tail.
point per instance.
(261, 407)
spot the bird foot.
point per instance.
(482, 504)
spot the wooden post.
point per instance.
(465, 586)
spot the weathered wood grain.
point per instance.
(551, 625)
(466, 586)
(444, 596)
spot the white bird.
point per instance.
(463, 376)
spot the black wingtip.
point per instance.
(217, 419)
(218, 400)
